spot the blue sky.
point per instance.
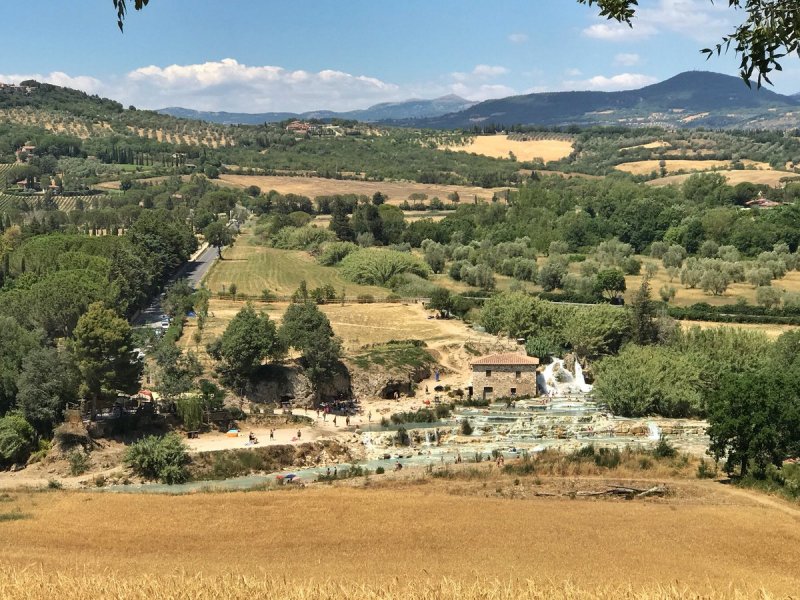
(270, 55)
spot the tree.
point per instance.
(442, 301)
(47, 382)
(218, 235)
(642, 315)
(551, 275)
(176, 370)
(610, 282)
(768, 296)
(378, 198)
(15, 343)
(248, 340)
(103, 350)
(306, 329)
(16, 439)
(750, 419)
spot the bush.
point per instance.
(377, 267)
(705, 471)
(78, 462)
(335, 252)
(380, 471)
(365, 298)
(16, 439)
(401, 438)
(664, 449)
(466, 427)
(160, 458)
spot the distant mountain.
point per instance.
(691, 99)
(387, 111)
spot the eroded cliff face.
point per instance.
(382, 382)
(277, 382)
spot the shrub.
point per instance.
(377, 267)
(335, 252)
(78, 462)
(664, 449)
(705, 471)
(401, 438)
(160, 458)
(16, 438)
(380, 471)
(365, 298)
(466, 427)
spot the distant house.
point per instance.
(298, 127)
(762, 202)
(25, 153)
(504, 376)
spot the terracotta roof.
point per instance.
(509, 358)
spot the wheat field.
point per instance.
(419, 539)
(759, 176)
(499, 146)
(397, 191)
(645, 167)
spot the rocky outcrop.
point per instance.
(381, 382)
(279, 382)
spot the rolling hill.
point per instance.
(690, 99)
(387, 111)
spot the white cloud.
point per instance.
(230, 85)
(518, 38)
(623, 81)
(235, 87)
(697, 19)
(482, 72)
(574, 72)
(627, 59)
(616, 32)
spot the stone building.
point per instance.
(504, 376)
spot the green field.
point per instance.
(255, 268)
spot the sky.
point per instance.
(298, 55)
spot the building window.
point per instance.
(518, 375)
(488, 373)
(513, 391)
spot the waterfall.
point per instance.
(427, 438)
(583, 387)
(654, 434)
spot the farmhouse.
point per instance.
(504, 376)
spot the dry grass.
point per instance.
(687, 297)
(645, 167)
(418, 540)
(356, 324)
(765, 176)
(656, 144)
(498, 146)
(398, 191)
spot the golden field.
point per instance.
(498, 146)
(758, 176)
(416, 538)
(645, 167)
(397, 191)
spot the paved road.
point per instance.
(193, 271)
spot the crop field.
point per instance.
(409, 215)
(498, 146)
(256, 268)
(416, 537)
(397, 191)
(645, 167)
(759, 176)
(770, 330)
(63, 202)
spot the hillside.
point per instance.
(387, 111)
(690, 99)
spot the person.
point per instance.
(334, 420)
(369, 416)
(298, 434)
(272, 434)
(398, 466)
(347, 420)
(426, 389)
(335, 471)
(328, 472)
(252, 438)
